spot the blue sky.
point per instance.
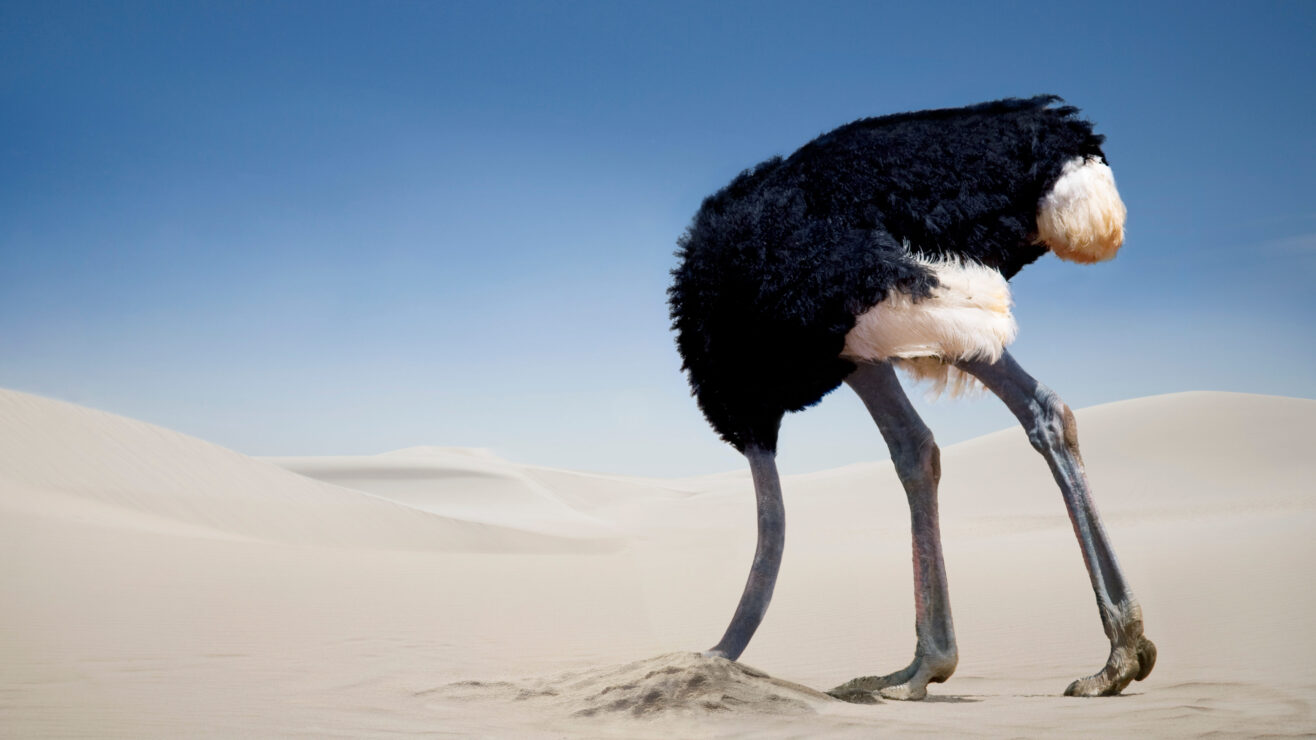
(334, 228)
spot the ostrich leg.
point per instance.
(767, 557)
(917, 462)
(1052, 431)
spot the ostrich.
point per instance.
(884, 244)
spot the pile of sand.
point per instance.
(675, 683)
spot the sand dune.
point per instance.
(60, 459)
(155, 585)
(463, 484)
(476, 485)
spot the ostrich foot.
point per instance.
(1127, 663)
(908, 684)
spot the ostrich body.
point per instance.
(887, 243)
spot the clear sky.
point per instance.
(336, 228)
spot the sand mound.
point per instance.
(681, 684)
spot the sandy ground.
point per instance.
(155, 585)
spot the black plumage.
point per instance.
(776, 265)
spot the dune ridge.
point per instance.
(456, 483)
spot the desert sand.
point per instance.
(155, 585)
